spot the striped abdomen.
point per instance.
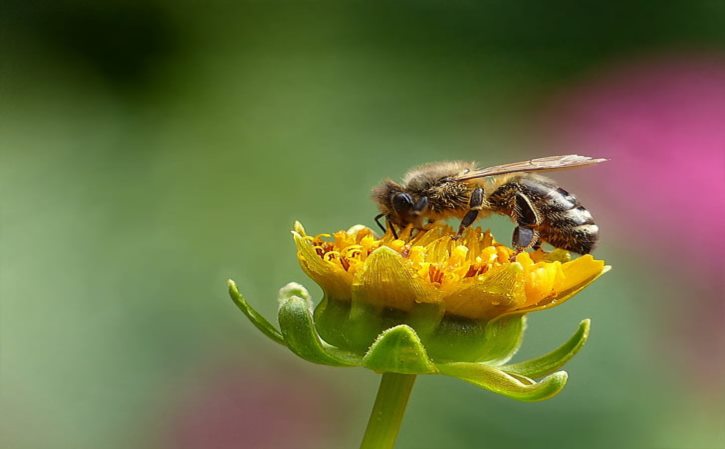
(563, 222)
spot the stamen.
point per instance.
(435, 274)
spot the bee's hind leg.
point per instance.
(525, 234)
(525, 238)
(475, 204)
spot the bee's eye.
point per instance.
(402, 202)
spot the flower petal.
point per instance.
(298, 329)
(386, 281)
(497, 291)
(497, 381)
(399, 350)
(581, 271)
(258, 320)
(577, 276)
(333, 280)
(554, 360)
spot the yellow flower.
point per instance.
(427, 303)
(473, 277)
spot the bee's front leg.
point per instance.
(388, 224)
(380, 225)
(475, 204)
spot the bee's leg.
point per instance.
(475, 204)
(388, 223)
(418, 208)
(377, 221)
(524, 238)
(525, 234)
(391, 226)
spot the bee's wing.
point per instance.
(541, 164)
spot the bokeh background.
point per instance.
(149, 150)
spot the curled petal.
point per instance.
(582, 271)
(385, 281)
(498, 381)
(333, 280)
(578, 274)
(497, 291)
(541, 282)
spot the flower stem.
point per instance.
(388, 411)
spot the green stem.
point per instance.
(388, 411)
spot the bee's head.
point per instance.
(400, 206)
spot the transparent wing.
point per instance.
(541, 164)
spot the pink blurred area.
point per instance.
(661, 121)
(231, 405)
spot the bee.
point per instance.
(542, 211)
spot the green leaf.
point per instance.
(399, 350)
(554, 360)
(300, 335)
(497, 381)
(258, 320)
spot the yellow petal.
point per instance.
(577, 276)
(498, 291)
(541, 281)
(432, 267)
(333, 280)
(581, 270)
(386, 280)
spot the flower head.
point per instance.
(428, 304)
(472, 277)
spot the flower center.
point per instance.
(433, 254)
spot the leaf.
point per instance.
(258, 320)
(497, 381)
(300, 335)
(554, 360)
(399, 350)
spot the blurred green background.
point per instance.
(150, 150)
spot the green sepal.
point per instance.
(512, 386)
(399, 350)
(351, 326)
(258, 320)
(503, 338)
(549, 363)
(298, 330)
(355, 325)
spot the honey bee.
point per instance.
(542, 211)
